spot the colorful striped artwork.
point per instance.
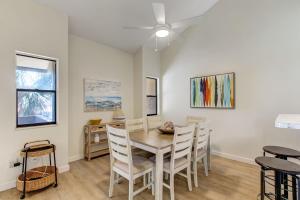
(216, 91)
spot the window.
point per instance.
(36, 91)
(151, 94)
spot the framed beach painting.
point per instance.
(214, 91)
(100, 95)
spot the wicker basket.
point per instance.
(95, 121)
(37, 178)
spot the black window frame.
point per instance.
(39, 91)
(156, 96)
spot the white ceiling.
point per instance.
(102, 20)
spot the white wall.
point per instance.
(151, 68)
(89, 59)
(151, 62)
(29, 27)
(146, 64)
(259, 40)
(138, 83)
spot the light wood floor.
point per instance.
(228, 180)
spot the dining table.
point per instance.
(159, 144)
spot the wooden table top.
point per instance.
(282, 151)
(278, 165)
(153, 139)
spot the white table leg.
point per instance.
(209, 152)
(159, 175)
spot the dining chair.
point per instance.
(123, 163)
(199, 152)
(180, 157)
(203, 122)
(154, 122)
(134, 125)
(195, 120)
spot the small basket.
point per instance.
(37, 178)
(95, 121)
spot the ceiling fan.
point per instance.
(162, 28)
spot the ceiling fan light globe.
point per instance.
(162, 33)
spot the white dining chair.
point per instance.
(180, 157)
(134, 125)
(154, 122)
(200, 151)
(124, 164)
(195, 120)
(203, 122)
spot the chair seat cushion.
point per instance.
(140, 164)
(178, 163)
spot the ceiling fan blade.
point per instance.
(159, 12)
(188, 21)
(176, 37)
(139, 27)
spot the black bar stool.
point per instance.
(283, 153)
(280, 167)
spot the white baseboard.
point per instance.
(64, 168)
(221, 154)
(234, 157)
(8, 185)
(76, 157)
(12, 184)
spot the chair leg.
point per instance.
(166, 176)
(189, 178)
(145, 180)
(195, 173)
(111, 183)
(205, 165)
(152, 183)
(130, 192)
(117, 178)
(172, 187)
(149, 180)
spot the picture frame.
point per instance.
(102, 95)
(213, 91)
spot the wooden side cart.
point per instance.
(94, 149)
(38, 177)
